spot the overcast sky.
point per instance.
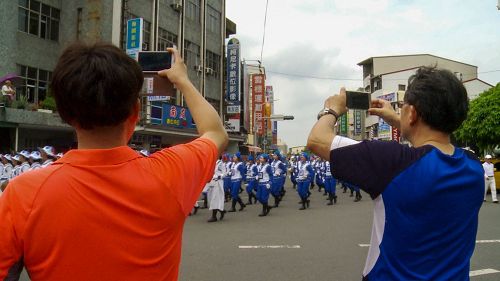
(328, 38)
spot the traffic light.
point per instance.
(288, 117)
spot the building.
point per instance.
(475, 87)
(386, 77)
(36, 32)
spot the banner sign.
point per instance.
(357, 122)
(275, 132)
(233, 109)
(258, 84)
(384, 129)
(396, 136)
(177, 116)
(343, 124)
(134, 37)
(233, 124)
(233, 72)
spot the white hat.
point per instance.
(59, 155)
(25, 153)
(8, 157)
(487, 157)
(35, 155)
(48, 149)
(144, 152)
(15, 157)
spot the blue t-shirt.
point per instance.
(426, 208)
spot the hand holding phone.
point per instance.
(152, 62)
(358, 100)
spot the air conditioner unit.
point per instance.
(177, 6)
(198, 68)
(209, 71)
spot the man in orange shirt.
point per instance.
(102, 211)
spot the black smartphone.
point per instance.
(358, 100)
(154, 61)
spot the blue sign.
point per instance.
(177, 116)
(357, 122)
(233, 72)
(134, 37)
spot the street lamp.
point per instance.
(275, 117)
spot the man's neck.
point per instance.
(428, 136)
(101, 138)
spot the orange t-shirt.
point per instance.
(103, 214)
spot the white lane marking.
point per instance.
(477, 242)
(270, 247)
(487, 241)
(483, 272)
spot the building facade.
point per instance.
(36, 32)
(386, 77)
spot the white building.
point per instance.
(387, 78)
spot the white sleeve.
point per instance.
(339, 142)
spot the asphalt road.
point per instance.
(329, 238)
(321, 243)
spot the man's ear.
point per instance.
(412, 115)
(134, 117)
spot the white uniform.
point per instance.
(24, 167)
(35, 166)
(489, 181)
(215, 193)
(46, 163)
(6, 173)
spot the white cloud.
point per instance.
(328, 38)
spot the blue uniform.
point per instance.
(252, 173)
(304, 179)
(278, 173)
(265, 175)
(238, 174)
(330, 183)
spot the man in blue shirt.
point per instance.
(427, 197)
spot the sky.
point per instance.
(326, 39)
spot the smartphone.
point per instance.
(358, 100)
(154, 61)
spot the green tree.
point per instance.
(482, 126)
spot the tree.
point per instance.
(482, 126)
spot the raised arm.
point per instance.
(323, 132)
(207, 120)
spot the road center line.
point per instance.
(270, 247)
(487, 241)
(477, 242)
(483, 272)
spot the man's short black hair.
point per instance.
(95, 85)
(439, 97)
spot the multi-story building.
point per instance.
(387, 77)
(36, 32)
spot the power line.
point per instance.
(348, 79)
(264, 33)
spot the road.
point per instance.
(321, 243)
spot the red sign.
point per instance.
(258, 100)
(395, 134)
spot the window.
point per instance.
(166, 39)
(146, 36)
(38, 19)
(193, 10)
(34, 83)
(213, 20)
(212, 63)
(401, 87)
(146, 32)
(191, 54)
